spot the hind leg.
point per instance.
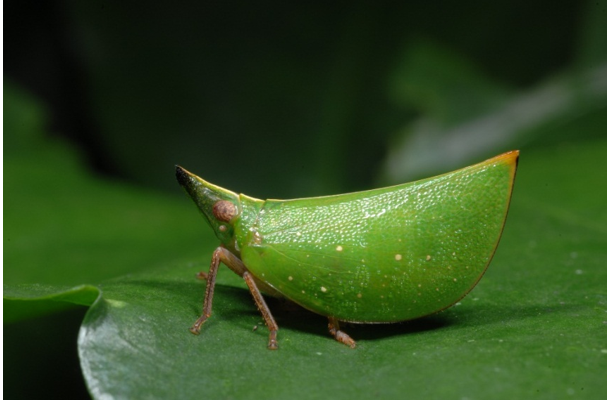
(339, 335)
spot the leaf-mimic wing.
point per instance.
(388, 254)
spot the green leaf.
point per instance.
(30, 300)
(534, 328)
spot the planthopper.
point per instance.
(376, 256)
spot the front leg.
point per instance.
(236, 265)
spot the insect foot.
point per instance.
(340, 336)
(196, 328)
(272, 340)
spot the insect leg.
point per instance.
(220, 255)
(333, 328)
(262, 306)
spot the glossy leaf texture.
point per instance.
(534, 328)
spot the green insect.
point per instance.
(377, 256)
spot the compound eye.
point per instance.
(224, 210)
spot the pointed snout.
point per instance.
(203, 193)
(183, 176)
(195, 186)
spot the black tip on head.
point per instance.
(182, 175)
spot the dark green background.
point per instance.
(282, 99)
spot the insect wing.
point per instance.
(388, 254)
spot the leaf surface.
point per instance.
(533, 328)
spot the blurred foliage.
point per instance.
(277, 99)
(290, 100)
(55, 204)
(467, 116)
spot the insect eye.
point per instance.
(224, 210)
